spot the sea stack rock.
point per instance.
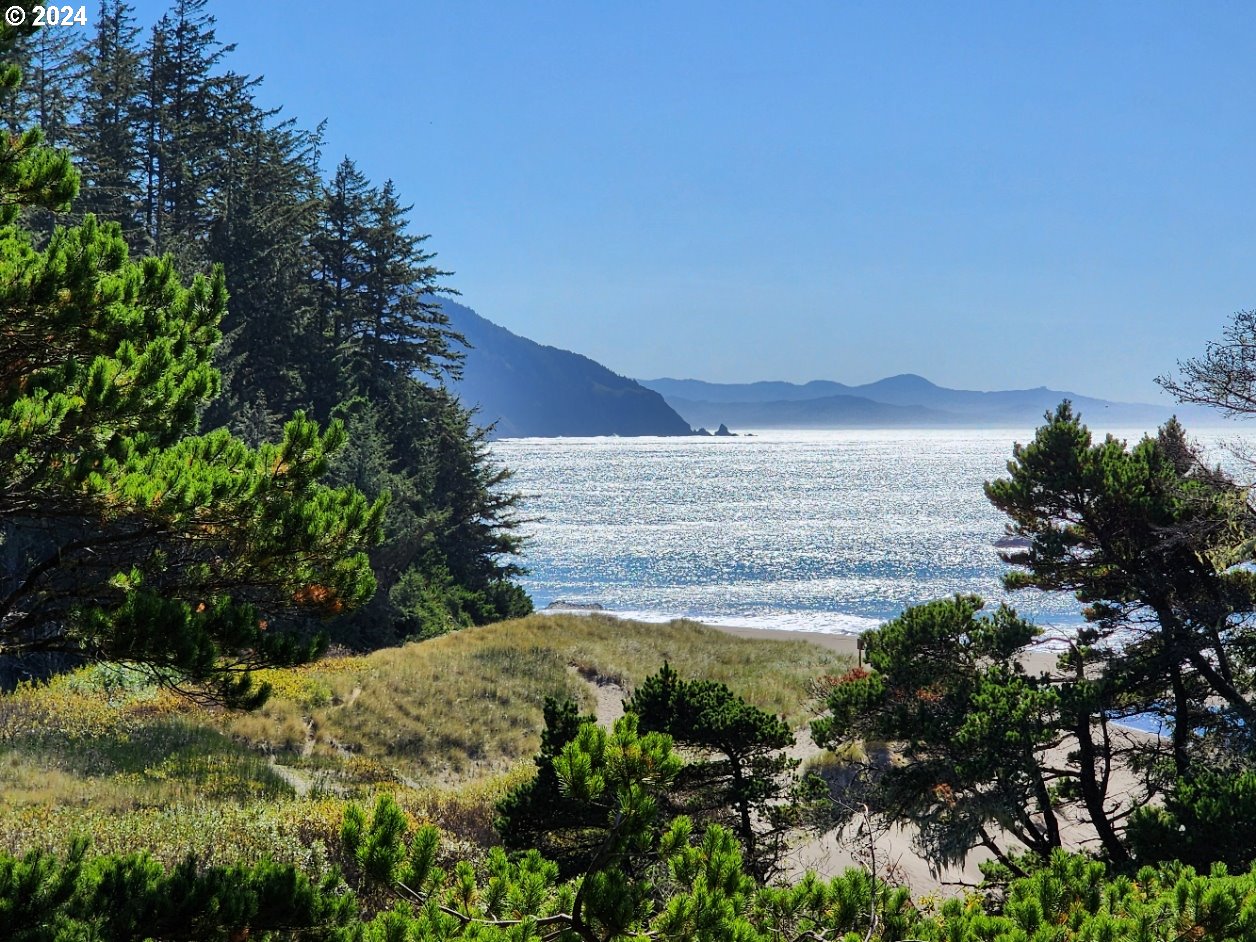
(723, 430)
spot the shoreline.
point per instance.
(1034, 661)
(841, 643)
(847, 644)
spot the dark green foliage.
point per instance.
(670, 887)
(106, 138)
(394, 327)
(183, 133)
(263, 206)
(701, 893)
(43, 101)
(683, 887)
(33, 175)
(45, 97)
(122, 898)
(1204, 820)
(973, 727)
(125, 536)
(332, 306)
(35, 891)
(446, 560)
(744, 780)
(1145, 536)
(1148, 538)
(538, 814)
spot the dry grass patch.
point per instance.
(773, 675)
(470, 702)
(446, 725)
(455, 707)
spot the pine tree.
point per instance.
(402, 330)
(106, 140)
(339, 276)
(264, 212)
(448, 558)
(125, 535)
(48, 59)
(332, 303)
(44, 99)
(537, 814)
(745, 781)
(1148, 539)
(141, 542)
(181, 134)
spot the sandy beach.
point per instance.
(897, 857)
(1035, 662)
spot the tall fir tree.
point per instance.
(264, 211)
(333, 300)
(181, 133)
(339, 274)
(402, 331)
(107, 137)
(123, 534)
(45, 100)
(48, 60)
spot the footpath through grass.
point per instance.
(445, 724)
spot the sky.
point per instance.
(997, 195)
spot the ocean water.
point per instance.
(832, 531)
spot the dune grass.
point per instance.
(471, 701)
(446, 724)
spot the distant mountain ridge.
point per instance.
(903, 400)
(824, 412)
(528, 389)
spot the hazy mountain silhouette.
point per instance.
(528, 389)
(824, 412)
(826, 404)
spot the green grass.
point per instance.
(447, 725)
(471, 701)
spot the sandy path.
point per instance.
(831, 854)
(896, 856)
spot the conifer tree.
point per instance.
(48, 60)
(264, 210)
(44, 99)
(180, 129)
(332, 303)
(403, 331)
(341, 271)
(106, 139)
(539, 814)
(745, 780)
(1148, 538)
(126, 536)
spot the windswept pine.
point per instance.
(320, 303)
(230, 434)
(126, 536)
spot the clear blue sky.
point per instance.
(992, 195)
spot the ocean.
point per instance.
(831, 531)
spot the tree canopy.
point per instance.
(126, 535)
(1149, 539)
(309, 300)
